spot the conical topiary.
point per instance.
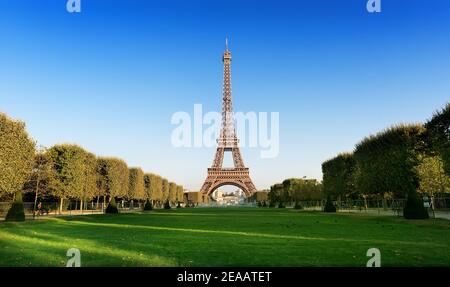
(298, 205)
(148, 206)
(414, 208)
(112, 206)
(16, 212)
(329, 206)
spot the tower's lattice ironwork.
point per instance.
(228, 142)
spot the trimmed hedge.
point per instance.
(298, 205)
(167, 205)
(148, 206)
(329, 206)
(112, 207)
(414, 208)
(16, 212)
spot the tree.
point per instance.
(165, 190)
(67, 163)
(172, 192)
(433, 179)
(16, 156)
(90, 178)
(180, 194)
(136, 184)
(438, 136)
(113, 176)
(41, 175)
(387, 162)
(339, 176)
(157, 186)
(149, 192)
(277, 194)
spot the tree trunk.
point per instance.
(61, 205)
(81, 206)
(36, 196)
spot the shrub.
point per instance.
(16, 212)
(148, 206)
(281, 205)
(271, 204)
(414, 208)
(329, 206)
(167, 205)
(298, 205)
(264, 204)
(112, 207)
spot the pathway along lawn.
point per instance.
(226, 237)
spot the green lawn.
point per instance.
(226, 237)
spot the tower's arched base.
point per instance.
(238, 177)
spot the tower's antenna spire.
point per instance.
(226, 43)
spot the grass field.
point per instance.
(226, 237)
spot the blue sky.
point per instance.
(111, 77)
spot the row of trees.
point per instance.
(398, 162)
(294, 190)
(68, 171)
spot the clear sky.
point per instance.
(110, 78)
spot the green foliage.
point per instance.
(165, 190)
(153, 186)
(112, 206)
(180, 193)
(339, 175)
(276, 194)
(387, 161)
(74, 172)
(414, 208)
(294, 189)
(281, 205)
(433, 179)
(329, 205)
(113, 176)
(16, 212)
(41, 175)
(148, 205)
(136, 184)
(16, 155)
(438, 135)
(167, 205)
(172, 192)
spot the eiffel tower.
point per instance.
(218, 176)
